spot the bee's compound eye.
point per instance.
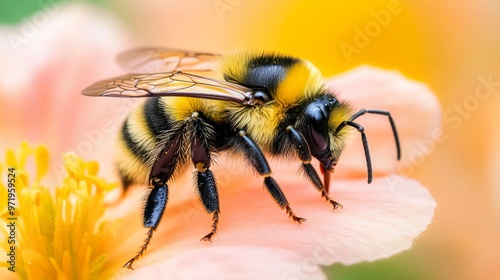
(318, 129)
(261, 96)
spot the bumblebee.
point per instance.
(247, 103)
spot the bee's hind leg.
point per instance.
(157, 199)
(300, 144)
(153, 212)
(210, 198)
(200, 155)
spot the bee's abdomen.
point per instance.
(156, 119)
(139, 136)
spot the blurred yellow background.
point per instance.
(452, 46)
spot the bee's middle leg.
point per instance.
(259, 162)
(207, 187)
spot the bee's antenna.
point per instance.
(361, 129)
(363, 135)
(391, 121)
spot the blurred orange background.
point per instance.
(453, 47)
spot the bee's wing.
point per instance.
(154, 60)
(169, 84)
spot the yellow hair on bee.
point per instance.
(127, 161)
(234, 64)
(129, 164)
(181, 108)
(302, 80)
(138, 128)
(342, 113)
(260, 122)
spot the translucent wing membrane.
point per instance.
(155, 60)
(169, 84)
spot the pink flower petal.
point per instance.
(233, 262)
(377, 221)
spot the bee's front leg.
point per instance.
(300, 145)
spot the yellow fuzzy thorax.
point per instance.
(301, 82)
(259, 122)
(302, 79)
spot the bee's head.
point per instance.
(321, 119)
(325, 125)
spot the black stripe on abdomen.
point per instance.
(138, 150)
(156, 119)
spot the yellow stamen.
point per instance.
(56, 237)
